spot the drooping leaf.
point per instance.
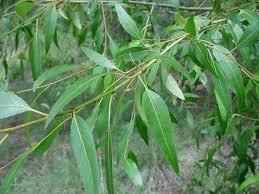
(24, 7)
(5, 185)
(173, 87)
(250, 180)
(142, 129)
(132, 171)
(98, 59)
(127, 22)
(190, 26)
(50, 26)
(159, 121)
(35, 55)
(11, 105)
(83, 146)
(250, 35)
(71, 92)
(231, 71)
(53, 72)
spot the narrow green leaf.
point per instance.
(113, 47)
(94, 115)
(142, 128)
(231, 71)
(152, 73)
(250, 35)
(250, 180)
(53, 72)
(5, 64)
(11, 105)
(98, 59)
(50, 26)
(71, 92)
(190, 26)
(159, 121)
(24, 7)
(35, 55)
(138, 101)
(127, 22)
(132, 171)
(173, 87)
(4, 187)
(83, 146)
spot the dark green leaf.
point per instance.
(250, 35)
(190, 26)
(92, 119)
(83, 146)
(127, 22)
(142, 129)
(159, 121)
(50, 26)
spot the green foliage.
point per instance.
(148, 65)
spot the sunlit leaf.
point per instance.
(24, 7)
(250, 180)
(98, 58)
(127, 22)
(86, 157)
(11, 105)
(132, 171)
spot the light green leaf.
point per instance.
(159, 121)
(35, 55)
(51, 73)
(190, 26)
(250, 180)
(83, 146)
(24, 7)
(62, 13)
(231, 71)
(98, 59)
(5, 185)
(250, 35)
(138, 101)
(11, 105)
(127, 22)
(94, 115)
(50, 26)
(132, 171)
(71, 92)
(173, 87)
(113, 47)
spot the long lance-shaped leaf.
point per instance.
(250, 180)
(127, 22)
(98, 59)
(35, 54)
(84, 151)
(51, 73)
(231, 71)
(71, 92)
(11, 174)
(108, 155)
(50, 26)
(159, 121)
(93, 118)
(11, 105)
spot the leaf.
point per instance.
(173, 87)
(50, 26)
(94, 115)
(159, 121)
(190, 26)
(250, 35)
(24, 7)
(62, 13)
(98, 59)
(138, 101)
(152, 73)
(5, 185)
(127, 22)
(142, 128)
(71, 92)
(175, 3)
(113, 47)
(35, 55)
(11, 105)
(52, 72)
(250, 180)
(83, 146)
(231, 71)
(5, 64)
(132, 171)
